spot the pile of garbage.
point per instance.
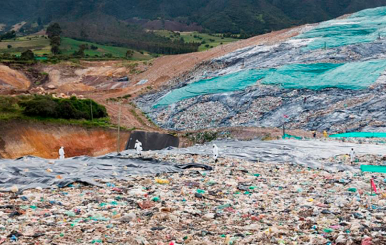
(239, 202)
(314, 81)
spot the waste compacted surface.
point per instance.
(238, 202)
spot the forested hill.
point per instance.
(250, 16)
(125, 22)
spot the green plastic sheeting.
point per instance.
(373, 168)
(227, 83)
(355, 75)
(359, 135)
(361, 27)
(288, 136)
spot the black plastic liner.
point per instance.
(32, 172)
(152, 141)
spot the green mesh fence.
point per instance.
(361, 27)
(359, 135)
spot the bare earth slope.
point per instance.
(13, 79)
(19, 139)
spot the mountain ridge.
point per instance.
(235, 16)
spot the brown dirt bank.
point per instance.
(19, 139)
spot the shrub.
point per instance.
(8, 104)
(27, 55)
(47, 106)
(40, 106)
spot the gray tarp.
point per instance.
(301, 152)
(31, 172)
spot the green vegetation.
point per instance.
(40, 46)
(207, 41)
(8, 35)
(54, 31)
(202, 137)
(48, 109)
(73, 108)
(216, 16)
(69, 46)
(110, 31)
(128, 23)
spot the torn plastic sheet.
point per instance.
(32, 172)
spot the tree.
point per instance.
(129, 54)
(54, 30)
(27, 55)
(55, 49)
(55, 40)
(8, 35)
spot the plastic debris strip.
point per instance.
(241, 202)
(300, 152)
(355, 75)
(361, 27)
(32, 172)
(373, 168)
(359, 135)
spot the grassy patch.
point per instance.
(208, 40)
(40, 45)
(69, 46)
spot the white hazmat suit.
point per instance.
(352, 155)
(138, 147)
(215, 152)
(61, 153)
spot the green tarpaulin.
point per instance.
(359, 135)
(355, 75)
(364, 26)
(288, 136)
(373, 168)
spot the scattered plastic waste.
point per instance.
(162, 181)
(240, 202)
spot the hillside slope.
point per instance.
(254, 17)
(329, 76)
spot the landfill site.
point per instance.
(325, 185)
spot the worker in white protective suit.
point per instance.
(215, 153)
(352, 155)
(138, 147)
(61, 153)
